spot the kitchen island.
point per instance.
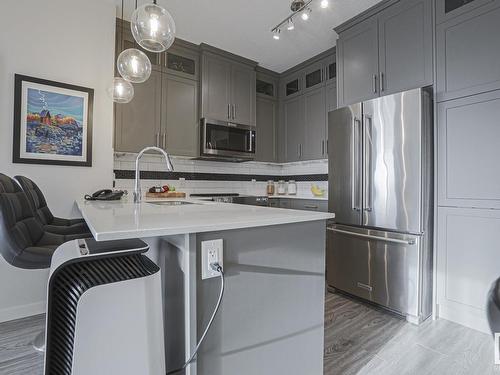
(271, 318)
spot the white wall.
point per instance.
(69, 41)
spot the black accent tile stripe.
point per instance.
(158, 175)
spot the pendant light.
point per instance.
(134, 66)
(153, 27)
(121, 91)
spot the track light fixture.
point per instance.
(298, 7)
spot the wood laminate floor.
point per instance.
(359, 339)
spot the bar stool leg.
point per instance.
(39, 342)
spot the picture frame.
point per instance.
(52, 122)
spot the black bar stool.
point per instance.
(44, 215)
(24, 242)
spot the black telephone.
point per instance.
(105, 195)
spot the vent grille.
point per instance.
(65, 289)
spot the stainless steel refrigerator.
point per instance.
(379, 247)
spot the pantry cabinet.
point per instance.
(164, 111)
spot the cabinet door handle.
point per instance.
(311, 207)
(157, 140)
(382, 88)
(164, 140)
(374, 83)
(234, 111)
(229, 111)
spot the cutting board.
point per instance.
(168, 194)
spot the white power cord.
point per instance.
(216, 267)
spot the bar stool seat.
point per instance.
(44, 215)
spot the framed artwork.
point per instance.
(52, 122)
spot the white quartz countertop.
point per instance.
(115, 220)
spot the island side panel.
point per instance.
(177, 260)
(272, 316)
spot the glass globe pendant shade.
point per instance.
(134, 66)
(153, 27)
(121, 91)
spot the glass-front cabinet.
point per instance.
(447, 9)
(181, 62)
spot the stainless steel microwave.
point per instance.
(227, 140)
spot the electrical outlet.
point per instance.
(211, 252)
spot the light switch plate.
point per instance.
(211, 252)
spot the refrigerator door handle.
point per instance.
(367, 139)
(378, 238)
(355, 183)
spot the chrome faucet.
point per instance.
(137, 189)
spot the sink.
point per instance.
(170, 203)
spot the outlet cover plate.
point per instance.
(211, 252)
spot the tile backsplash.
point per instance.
(243, 178)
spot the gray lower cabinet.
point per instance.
(405, 46)
(309, 205)
(468, 51)
(181, 123)
(315, 124)
(137, 124)
(267, 130)
(293, 118)
(357, 63)
(467, 263)
(300, 204)
(469, 151)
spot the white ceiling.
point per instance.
(243, 27)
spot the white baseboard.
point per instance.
(18, 312)
(465, 316)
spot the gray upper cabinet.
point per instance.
(182, 62)
(267, 128)
(216, 87)
(180, 121)
(243, 94)
(469, 150)
(331, 96)
(315, 121)
(292, 85)
(447, 9)
(293, 117)
(228, 89)
(137, 124)
(387, 53)
(314, 76)
(468, 51)
(405, 46)
(357, 59)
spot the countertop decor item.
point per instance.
(281, 187)
(292, 187)
(317, 191)
(52, 122)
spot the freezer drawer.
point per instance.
(382, 267)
